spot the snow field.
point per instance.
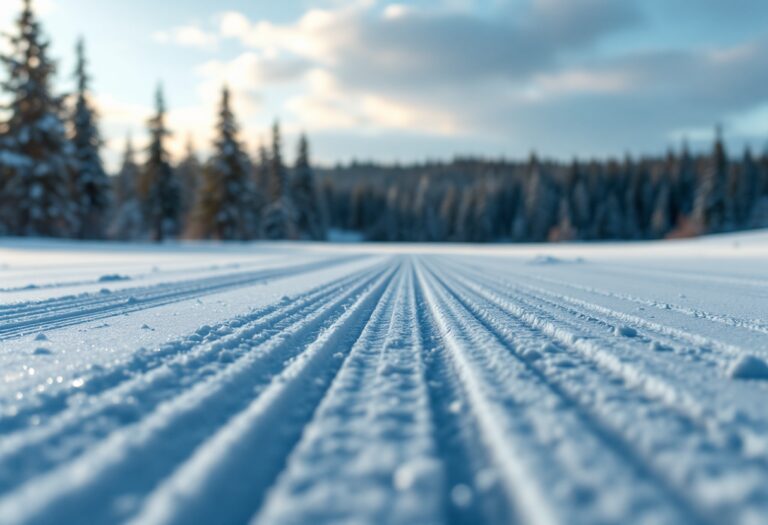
(289, 385)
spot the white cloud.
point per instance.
(394, 11)
(327, 105)
(575, 82)
(187, 36)
(511, 71)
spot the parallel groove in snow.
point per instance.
(372, 430)
(152, 383)
(709, 450)
(181, 498)
(526, 436)
(165, 434)
(58, 313)
(424, 389)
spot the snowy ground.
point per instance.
(279, 384)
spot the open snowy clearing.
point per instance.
(280, 384)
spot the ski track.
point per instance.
(410, 389)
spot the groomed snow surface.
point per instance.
(354, 384)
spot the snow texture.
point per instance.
(324, 384)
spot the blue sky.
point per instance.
(428, 79)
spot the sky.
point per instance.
(388, 81)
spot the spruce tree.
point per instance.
(160, 193)
(581, 207)
(742, 192)
(542, 201)
(279, 220)
(686, 177)
(36, 163)
(127, 221)
(711, 206)
(226, 207)
(278, 187)
(91, 185)
(189, 173)
(261, 172)
(663, 215)
(447, 214)
(310, 213)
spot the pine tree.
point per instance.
(159, 192)
(663, 216)
(447, 214)
(278, 187)
(279, 220)
(310, 212)
(541, 202)
(742, 192)
(189, 173)
(710, 207)
(564, 231)
(261, 173)
(686, 177)
(482, 213)
(632, 192)
(225, 207)
(36, 162)
(91, 184)
(127, 221)
(581, 203)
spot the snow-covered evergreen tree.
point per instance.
(91, 187)
(483, 211)
(711, 206)
(541, 202)
(633, 198)
(261, 172)
(279, 217)
(189, 173)
(310, 212)
(127, 220)
(225, 208)
(564, 230)
(663, 216)
(581, 208)
(159, 192)
(742, 192)
(447, 214)
(686, 181)
(36, 160)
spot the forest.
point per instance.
(53, 182)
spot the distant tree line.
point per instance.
(53, 182)
(471, 200)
